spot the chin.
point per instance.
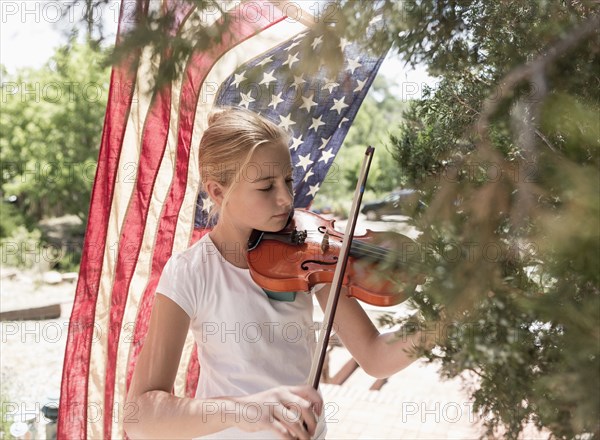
(275, 224)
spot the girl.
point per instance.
(255, 352)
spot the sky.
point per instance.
(30, 30)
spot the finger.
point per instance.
(315, 400)
(309, 393)
(303, 412)
(291, 419)
(281, 430)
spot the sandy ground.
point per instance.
(31, 354)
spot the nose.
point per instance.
(285, 196)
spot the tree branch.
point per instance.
(465, 104)
(528, 70)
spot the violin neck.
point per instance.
(375, 254)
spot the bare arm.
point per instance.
(162, 415)
(158, 411)
(379, 354)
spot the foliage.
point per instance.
(10, 219)
(379, 113)
(21, 248)
(5, 420)
(507, 149)
(51, 125)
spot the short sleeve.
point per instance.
(176, 284)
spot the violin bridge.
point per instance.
(325, 243)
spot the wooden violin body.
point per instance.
(306, 252)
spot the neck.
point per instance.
(231, 244)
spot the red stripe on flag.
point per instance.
(196, 72)
(72, 420)
(154, 139)
(153, 146)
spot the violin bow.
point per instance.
(332, 300)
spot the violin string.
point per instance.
(372, 250)
(367, 249)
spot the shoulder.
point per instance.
(196, 268)
(195, 256)
(184, 277)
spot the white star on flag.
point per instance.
(331, 85)
(339, 105)
(353, 64)
(304, 161)
(316, 42)
(361, 85)
(268, 77)
(294, 44)
(299, 36)
(308, 103)
(298, 81)
(343, 43)
(308, 174)
(275, 99)
(296, 142)
(246, 98)
(313, 190)
(265, 61)
(238, 79)
(316, 123)
(327, 156)
(206, 204)
(324, 142)
(291, 59)
(286, 121)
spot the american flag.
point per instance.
(146, 200)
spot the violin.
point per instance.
(309, 251)
(306, 251)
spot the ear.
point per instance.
(216, 191)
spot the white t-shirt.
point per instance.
(247, 343)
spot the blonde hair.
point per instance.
(226, 147)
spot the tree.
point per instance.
(507, 148)
(51, 125)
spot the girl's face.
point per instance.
(263, 198)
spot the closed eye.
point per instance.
(288, 181)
